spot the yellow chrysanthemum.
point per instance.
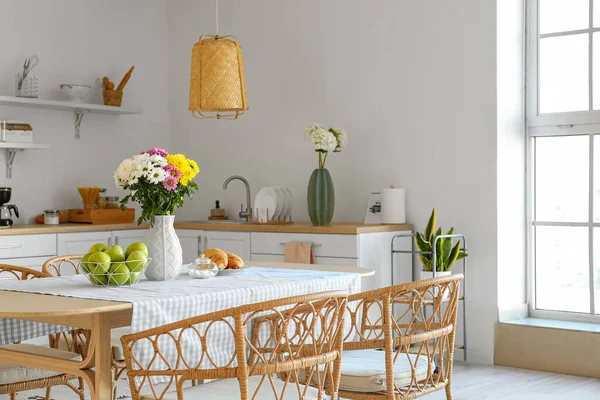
(194, 166)
(178, 161)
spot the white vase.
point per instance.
(164, 249)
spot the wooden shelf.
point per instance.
(79, 109)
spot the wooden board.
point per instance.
(102, 215)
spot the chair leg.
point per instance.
(48, 390)
(81, 389)
(12, 396)
(448, 392)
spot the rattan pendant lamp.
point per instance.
(217, 82)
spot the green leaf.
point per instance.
(453, 256)
(421, 243)
(428, 234)
(461, 255)
(447, 245)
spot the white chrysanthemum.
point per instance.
(124, 173)
(321, 138)
(157, 175)
(157, 160)
(143, 169)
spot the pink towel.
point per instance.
(299, 252)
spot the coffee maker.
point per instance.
(5, 209)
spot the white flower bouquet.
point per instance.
(158, 181)
(325, 141)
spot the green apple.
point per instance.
(99, 262)
(116, 253)
(118, 274)
(133, 277)
(99, 280)
(136, 246)
(136, 261)
(98, 247)
(84, 264)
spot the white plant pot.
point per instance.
(164, 249)
(438, 274)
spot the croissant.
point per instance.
(234, 262)
(217, 256)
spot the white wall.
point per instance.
(77, 42)
(414, 85)
(512, 242)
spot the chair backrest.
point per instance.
(63, 265)
(304, 335)
(21, 273)
(415, 322)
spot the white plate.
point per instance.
(280, 205)
(290, 201)
(287, 202)
(230, 272)
(265, 200)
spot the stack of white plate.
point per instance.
(273, 203)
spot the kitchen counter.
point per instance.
(296, 227)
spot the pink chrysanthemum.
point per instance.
(170, 183)
(172, 171)
(157, 151)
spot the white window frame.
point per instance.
(555, 124)
(558, 123)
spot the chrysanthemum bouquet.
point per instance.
(158, 181)
(325, 141)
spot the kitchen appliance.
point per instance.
(5, 209)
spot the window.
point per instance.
(563, 101)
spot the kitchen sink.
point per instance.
(217, 221)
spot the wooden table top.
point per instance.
(16, 304)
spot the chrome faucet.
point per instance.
(243, 214)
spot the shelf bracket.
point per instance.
(10, 157)
(78, 118)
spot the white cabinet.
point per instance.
(191, 243)
(126, 237)
(19, 246)
(80, 243)
(231, 242)
(367, 250)
(344, 262)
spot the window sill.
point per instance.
(556, 324)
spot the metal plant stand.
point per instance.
(415, 252)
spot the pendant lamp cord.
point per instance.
(217, 15)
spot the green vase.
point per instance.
(321, 197)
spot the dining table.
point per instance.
(34, 308)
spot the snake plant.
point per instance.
(446, 254)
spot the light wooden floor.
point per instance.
(472, 382)
(476, 382)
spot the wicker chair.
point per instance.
(38, 379)
(70, 265)
(306, 335)
(417, 340)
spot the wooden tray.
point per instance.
(102, 215)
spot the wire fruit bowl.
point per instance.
(124, 273)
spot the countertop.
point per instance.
(296, 227)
